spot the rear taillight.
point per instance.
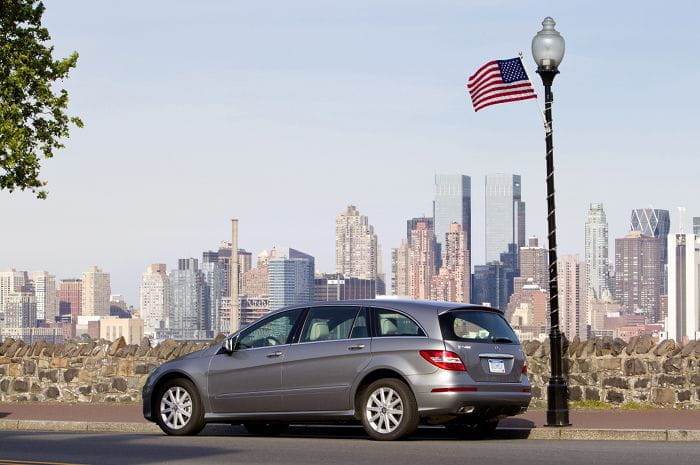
(444, 359)
(524, 371)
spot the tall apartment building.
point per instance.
(399, 270)
(70, 298)
(338, 287)
(534, 263)
(213, 290)
(421, 260)
(596, 251)
(683, 321)
(96, 292)
(355, 245)
(505, 215)
(639, 273)
(452, 204)
(20, 310)
(527, 308)
(291, 278)
(574, 315)
(10, 281)
(155, 298)
(453, 281)
(413, 222)
(696, 225)
(46, 296)
(187, 319)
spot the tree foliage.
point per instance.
(33, 119)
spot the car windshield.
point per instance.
(476, 326)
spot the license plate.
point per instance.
(497, 366)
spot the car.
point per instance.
(389, 364)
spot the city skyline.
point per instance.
(233, 120)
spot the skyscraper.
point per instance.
(491, 282)
(10, 281)
(683, 322)
(96, 292)
(399, 270)
(411, 225)
(452, 204)
(639, 273)
(597, 261)
(20, 309)
(696, 225)
(338, 287)
(421, 260)
(355, 245)
(534, 263)
(505, 214)
(187, 318)
(213, 275)
(453, 281)
(573, 296)
(45, 292)
(652, 222)
(155, 298)
(70, 298)
(291, 278)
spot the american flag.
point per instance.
(500, 81)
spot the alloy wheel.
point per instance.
(384, 410)
(176, 407)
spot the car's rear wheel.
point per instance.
(388, 410)
(266, 429)
(179, 409)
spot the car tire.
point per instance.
(266, 429)
(176, 399)
(388, 410)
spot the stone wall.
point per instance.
(606, 370)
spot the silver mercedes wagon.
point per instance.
(390, 364)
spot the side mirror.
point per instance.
(229, 344)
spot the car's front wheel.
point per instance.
(388, 410)
(179, 409)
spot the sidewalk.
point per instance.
(655, 424)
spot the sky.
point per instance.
(283, 113)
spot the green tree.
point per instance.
(33, 119)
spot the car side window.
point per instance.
(391, 323)
(360, 328)
(328, 323)
(273, 331)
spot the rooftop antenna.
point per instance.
(681, 220)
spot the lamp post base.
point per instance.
(558, 405)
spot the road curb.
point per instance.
(566, 433)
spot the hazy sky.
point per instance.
(282, 113)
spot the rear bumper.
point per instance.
(473, 398)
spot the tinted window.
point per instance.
(360, 328)
(328, 323)
(270, 332)
(476, 326)
(391, 323)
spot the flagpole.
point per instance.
(547, 129)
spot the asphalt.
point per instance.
(661, 419)
(327, 446)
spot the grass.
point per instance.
(590, 404)
(636, 406)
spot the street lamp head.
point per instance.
(548, 46)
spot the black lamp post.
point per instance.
(548, 51)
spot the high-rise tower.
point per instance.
(505, 215)
(596, 253)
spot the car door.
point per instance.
(250, 378)
(319, 370)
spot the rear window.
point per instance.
(476, 326)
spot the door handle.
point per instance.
(357, 347)
(274, 354)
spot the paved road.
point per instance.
(328, 446)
